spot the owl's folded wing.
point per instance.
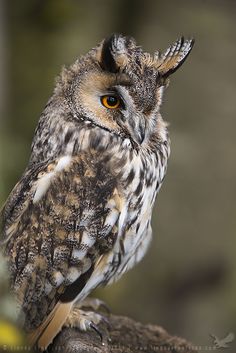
(58, 227)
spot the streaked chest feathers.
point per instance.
(141, 178)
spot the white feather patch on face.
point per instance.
(126, 142)
(44, 182)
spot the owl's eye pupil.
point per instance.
(110, 102)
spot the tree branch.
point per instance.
(124, 336)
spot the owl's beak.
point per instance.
(137, 129)
(140, 134)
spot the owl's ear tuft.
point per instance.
(168, 62)
(107, 60)
(113, 53)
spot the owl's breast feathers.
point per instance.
(74, 223)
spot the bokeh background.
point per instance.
(187, 282)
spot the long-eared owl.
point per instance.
(80, 216)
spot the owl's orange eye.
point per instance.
(111, 102)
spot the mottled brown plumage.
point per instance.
(80, 215)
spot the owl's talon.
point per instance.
(85, 320)
(96, 329)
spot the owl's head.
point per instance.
(119, 88)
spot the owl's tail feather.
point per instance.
(47, 331)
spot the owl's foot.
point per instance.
(94, 303)
(86, 320)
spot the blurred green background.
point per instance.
(187, 282)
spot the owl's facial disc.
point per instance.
(104, 100)
(121, 91)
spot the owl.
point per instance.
(80, 216)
